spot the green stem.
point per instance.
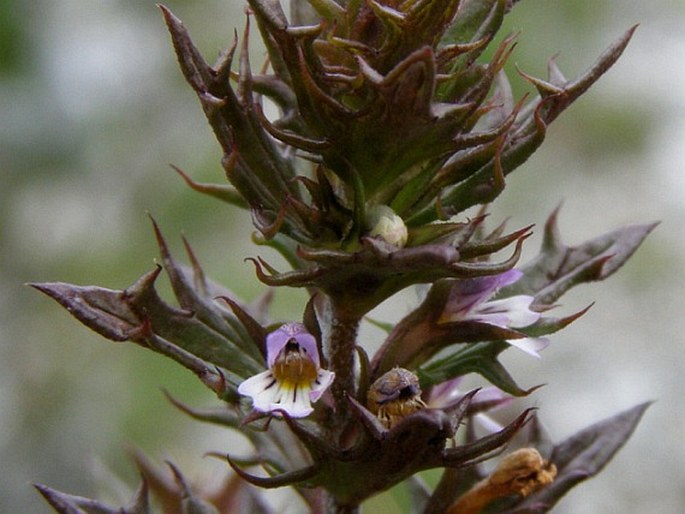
(341, 352)
(340, 347)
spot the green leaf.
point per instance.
(160, 482)
(527, 135)
(478, 358)
(435, 232)
(582, 456)
(138, 314)
(253, 163)
(140, 503)
(197, 295)
(103, 310)
(69, 504)
(328, 9)
(476, 19)
(559, 101)
(383, 325)
(225, 193)
(271, 12)
(185, 330)
(473, 452)
(546, 325)
(558, 267)
(190, 504)
(201, 335)
(222, 416)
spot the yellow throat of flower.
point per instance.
(294, 367)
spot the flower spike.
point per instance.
(356, 148)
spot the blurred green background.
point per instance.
(92, 110)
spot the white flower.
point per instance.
(294, 379)
(468, 301)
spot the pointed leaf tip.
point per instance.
(224, 193)
(583, 455)
(558, 267)
(64, 503)
(190, 504)
(105, 311)
(140, 503)
(57, 500)
(284, 479)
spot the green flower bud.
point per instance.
(387, 225)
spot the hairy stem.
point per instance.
(341, 344)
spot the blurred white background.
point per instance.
(92, 110)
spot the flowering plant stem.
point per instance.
(341, 347)
(392, 122)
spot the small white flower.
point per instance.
(469, 301)
(294, 379)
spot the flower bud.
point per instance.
(387, 225)
(394, 396)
